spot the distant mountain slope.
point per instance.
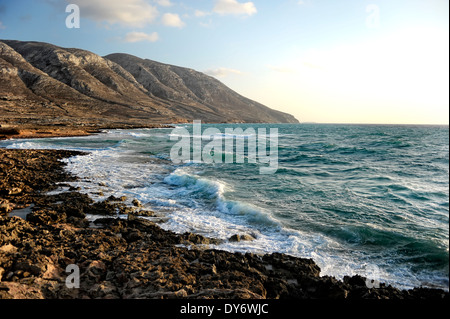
(41, 82)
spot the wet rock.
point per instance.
(357, 281)
(136, 203)
(144, 213)
(241, 237)
(190, 238)
(126, 210)
(113, 198)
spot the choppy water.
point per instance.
(358, 199)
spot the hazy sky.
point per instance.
(339, 61)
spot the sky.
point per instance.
(325, 61)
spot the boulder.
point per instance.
(5, 207)
(136, 203)
(241, 237)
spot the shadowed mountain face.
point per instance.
(41, 83)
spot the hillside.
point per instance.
(43, 84)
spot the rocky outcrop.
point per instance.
(44, 84)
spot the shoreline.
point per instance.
(8, 131)
(135, 258)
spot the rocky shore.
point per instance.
(135, 258)
(31, 130)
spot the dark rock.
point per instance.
(113, 198)
(241, 237)
(5, 207)
(357, 281)
(9, 131)
(46, 217)
(136, 203)
(15, 191)
(144, 213)
(103, 208)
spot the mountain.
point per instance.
(42, 83)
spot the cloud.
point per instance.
(164, 3)
(234, 7)
(141, 36)
(134, 13)
(199, 13)
(2, 26)
(221, 72)
(172, 20)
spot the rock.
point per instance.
(357, 281)
(103, 208)
(33, 267)
(136, 203)
(131, 217)
(9, 131)
(3, 287)
(5, 207)
(113, 198)
(190, 238)
(8, 248)
(126, 210)
(132, 236)
(241, 237)
(46, 217)
(97, 264)
(144, 213)
(15, 191)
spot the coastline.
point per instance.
(45, 131)
(135, 258)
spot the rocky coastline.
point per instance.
(30, 130)
(134, 258)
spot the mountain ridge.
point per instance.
(41, 83)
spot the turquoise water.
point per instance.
(358, 199)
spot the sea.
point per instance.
(371, 200)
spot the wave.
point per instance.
(196, 186)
